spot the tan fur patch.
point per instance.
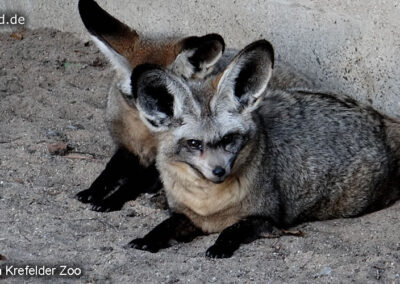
(128, 130)
(124, 42)
(161, 53)
(138, 50)
(210, 206)
(215, 81)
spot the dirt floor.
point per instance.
(53, 89)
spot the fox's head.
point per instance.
(191, 57)
(206, 125)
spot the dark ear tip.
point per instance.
(217, 38)
(137, 74)
(82, 3)
(195, 41)
(88, 9)
(84, 6)
(98, 21)
(262, 44)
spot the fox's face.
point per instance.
(207, 125)
(209, 144)
(191, 57)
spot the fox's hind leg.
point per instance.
(123, 179)
(245, 231)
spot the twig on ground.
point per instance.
(78, 157)
(11, 140)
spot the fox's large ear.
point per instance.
(242, 85)
(114, 39)
(198, 56)
(160, 96)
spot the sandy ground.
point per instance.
(53, 89)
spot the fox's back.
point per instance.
(329, 156)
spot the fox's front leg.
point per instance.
(177, 227)
(245, 231)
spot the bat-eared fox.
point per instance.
(239, 158)
(132, 170)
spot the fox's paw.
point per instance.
(96, 197)
(147, 245)
(85, 196)
(218, 251)
(108, 205)
(105, 207)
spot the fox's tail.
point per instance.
(392, 129)
(393, 137)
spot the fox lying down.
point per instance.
(238, 158)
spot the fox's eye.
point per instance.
(227, 139)
(195, 144)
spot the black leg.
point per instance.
(177, 227)
(127, 191)
(231, 238)
(123, 179)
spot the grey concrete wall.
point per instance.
(350, 47)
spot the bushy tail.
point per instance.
(392, 129)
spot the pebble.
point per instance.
(58, 148)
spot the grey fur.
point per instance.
(304, 156)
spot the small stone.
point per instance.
(17, 36)
(326, 271)
(98, 62)
(58, 148)
(106, 249)
(75, 126)
(54, 134)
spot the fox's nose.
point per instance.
(219, 171)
